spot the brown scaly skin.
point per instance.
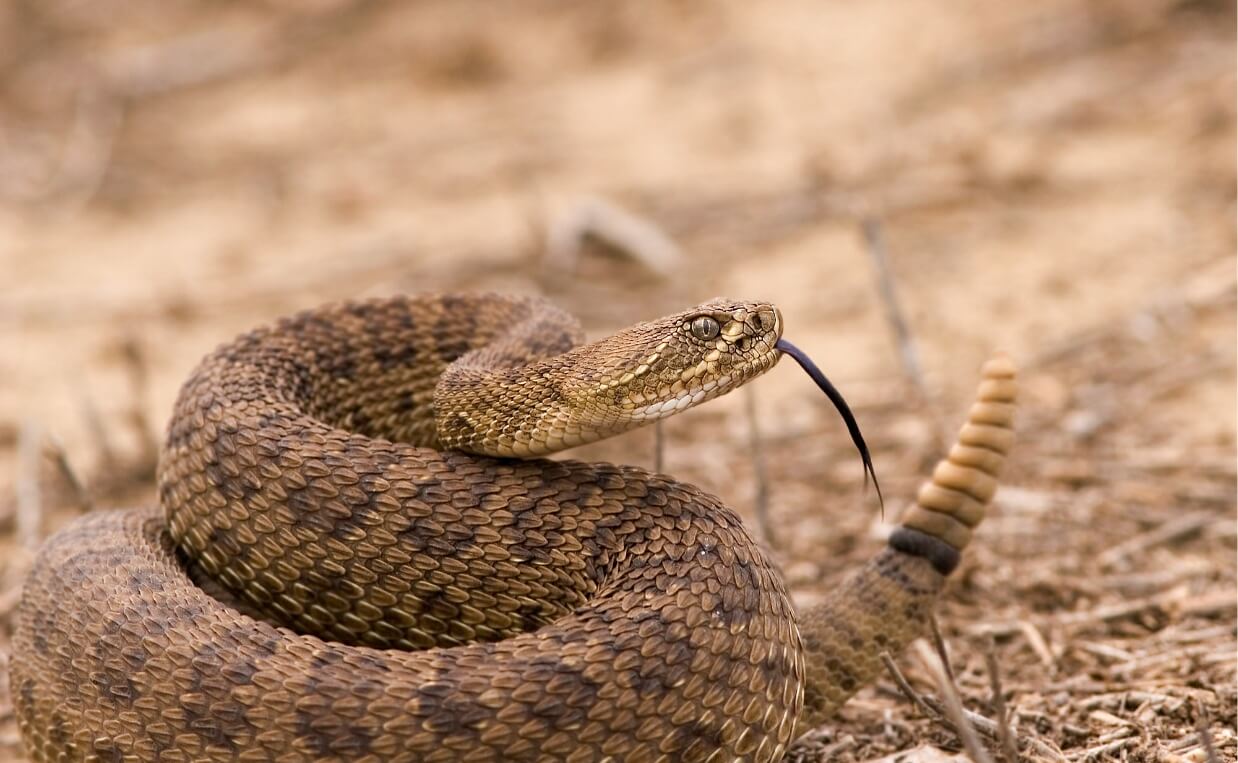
(563, 611)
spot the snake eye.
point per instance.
(704, 327)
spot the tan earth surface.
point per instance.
(1055, 179)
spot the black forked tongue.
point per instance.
(843, 410)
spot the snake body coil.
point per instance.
(328, 581)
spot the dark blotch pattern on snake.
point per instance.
(331, 576)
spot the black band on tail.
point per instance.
(940, 554)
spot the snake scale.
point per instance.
(359, 556)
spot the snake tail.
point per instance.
(886, 604)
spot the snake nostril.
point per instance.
(767, 319)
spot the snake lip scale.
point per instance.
(360, 554)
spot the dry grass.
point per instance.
(1055, 178)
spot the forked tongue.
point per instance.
(843, 410)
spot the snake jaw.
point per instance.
(669, 402)
(744, 347)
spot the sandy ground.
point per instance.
(1055, 179)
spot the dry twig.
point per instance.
(29, 516)
(1036, 641)
(615, 228)
(939, 645)
(759, 474)
(108, 459)
(954, 709)
(80, 494)
(909, 352)
(1168, 532)
(905, 687)
(1205, 736)
(659, 447)
(139, 384)
(1010, 746)
(1176, 598)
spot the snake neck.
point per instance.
(508, 412)
(549, 406)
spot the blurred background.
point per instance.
(914, 183)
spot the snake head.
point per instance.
(687, 358)
(539, 405)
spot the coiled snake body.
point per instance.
(332, 577)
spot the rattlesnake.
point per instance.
(463, 607)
